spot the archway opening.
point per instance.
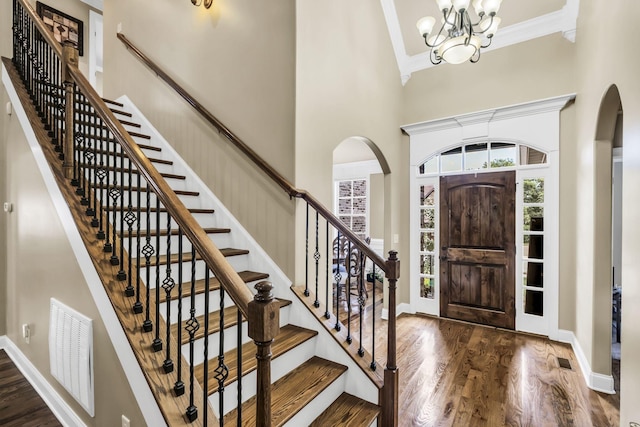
(608, 231)
(360, 183)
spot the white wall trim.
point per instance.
(140, 388)
(400, 308)
(563, 21)
(595, 381)
(54, 401)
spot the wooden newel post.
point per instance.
(390, 392)
(70, 57)
(264, 325)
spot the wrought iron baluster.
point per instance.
(316, 256)
(115, 193)
(137, 306)
(205, 385)
(90, 167)
(222, 371)
(338, 278)
(192, 327)
(306, 254)
(361, 302)
(130, 218)
(157, 342)
(168, 284)
(101, 189)
(122, 275)
(148, 252)
(327, 291)
(108, 247)
(178, 387)
(347, 289)
(373, 364)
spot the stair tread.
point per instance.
(151, 159)
(290, 336)
(144, 189)
(108, 101)
(162, 210)
(165, 175)
(348, 410)
(186, 257)
(292, 392)
(214, 284)
(111, 140)
(230, 319)
(174, 232)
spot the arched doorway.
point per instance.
(606, 209)
(360, 172)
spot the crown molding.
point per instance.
(96, 4)
(502, 113)
(563, 21)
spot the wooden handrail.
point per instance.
(212, 256)
(254, 157)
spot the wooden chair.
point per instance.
(346, 256)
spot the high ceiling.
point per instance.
(521, 20)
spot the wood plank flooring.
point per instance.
(458, 374)
(20, 404)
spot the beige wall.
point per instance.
(376, 206)
(237, 59)
(41, 265)
(347, 84)
(604, 61)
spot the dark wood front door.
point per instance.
(477, 239)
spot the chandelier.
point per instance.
(207, 3)
(460, 39)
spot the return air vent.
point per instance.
(564, 363)
(71, 352)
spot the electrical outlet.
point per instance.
(26, 333)
(125, 422)
(119, 30)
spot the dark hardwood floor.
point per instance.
(459, 374)
(20, 405)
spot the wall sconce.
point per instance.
(207, 3)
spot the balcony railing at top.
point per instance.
(355, 252)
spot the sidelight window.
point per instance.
(533, 246)
(427, 241)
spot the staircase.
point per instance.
(305, 385)
(218, 343)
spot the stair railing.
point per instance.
(332, 226)
(136, 220)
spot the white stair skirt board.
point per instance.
(54, 401)
(128, 361)
(595, 381)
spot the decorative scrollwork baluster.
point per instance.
(178, 387)
(168, 284)
(192, 327)
(148, 252)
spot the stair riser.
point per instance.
(221, 240)
(204, 219)
(136, 181)
(230, 339)
(239, 263)
(214, 304)
(280, 366)
(311, 411)
(188, 201)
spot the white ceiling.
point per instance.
(522, 20)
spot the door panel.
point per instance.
(477, 234)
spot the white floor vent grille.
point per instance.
(71, 352)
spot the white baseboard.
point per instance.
(54, 401)
(400, 308)
(595, 381)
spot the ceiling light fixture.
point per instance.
(207, 3)
(459, 38)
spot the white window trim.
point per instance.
(535, 124)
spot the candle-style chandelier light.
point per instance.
(460, 37)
